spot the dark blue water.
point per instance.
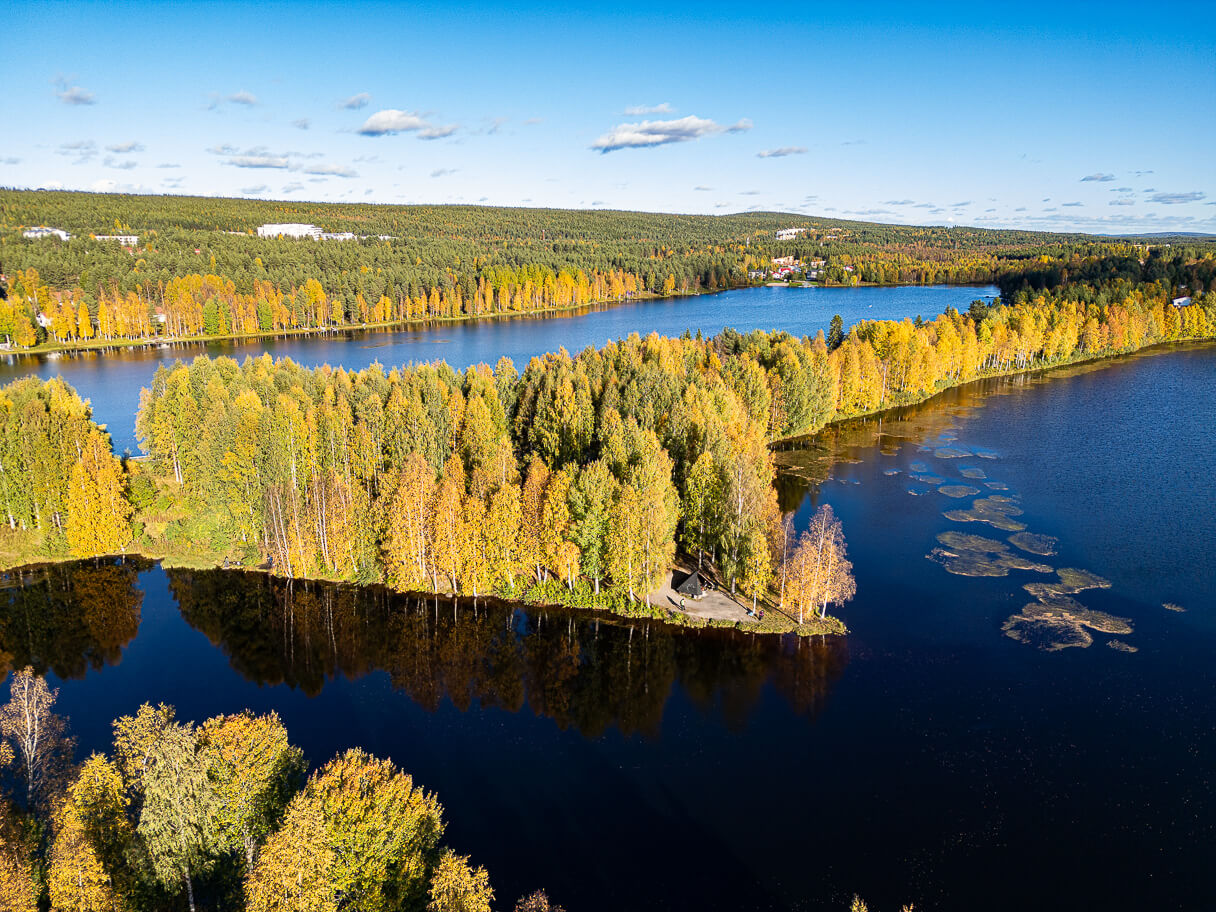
(111, 380)
(927, 758)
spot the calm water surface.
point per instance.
(926, 758)
(112, 379)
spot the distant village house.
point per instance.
(290, 230)
(1182, 302)
(127, 240)
(43, 232)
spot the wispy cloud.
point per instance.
(73, 94)
(391, 121)
(111, 162)
(1124, 201)
(703, 189)
(292, 187)
(1074, 204)
(782, 152)
(651, 133)
(243, 98)
(301, 123)
(81, 151)
(168, 165)
(10, 160)
(255, 190)
(259, 161)
(355, 102)
(1098, 176)
(1171, 199)
(125, 148)
(642, 110)
(331, 170)
(443, 172)
(900, 203)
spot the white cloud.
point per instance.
(904, 202)
(390, 120)
(703, 189)
(110, 162)
(782, 152)
(292, 188)
(1073, 204)
(10, 160)
(443, 172)
(1099, 177)
(331, 170)
(243, 98)
(355, 101)
(253, 191)
(1170, 199)
(125, 148)
(259, 161)
(302, 123)
(650, 133)
(74, 95)
(438, 132)
(640, 110)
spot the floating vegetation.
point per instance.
(1121, 646)
(920, 467)
(929, 478)
(996, 486)
(974, 555)
(958, 490)
(1043, 545)
(1170, 606)
(993, 510)
(985, 453)
(1060, 623)
(971, 472)
(918, 492)
(890, 471)
(1071, 582)
(951, 453)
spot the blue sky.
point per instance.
(1086, 116)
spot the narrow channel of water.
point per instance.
(112, 379)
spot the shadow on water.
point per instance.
(584, 672)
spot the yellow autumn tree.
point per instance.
(98, 513)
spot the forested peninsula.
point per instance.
(577, 481)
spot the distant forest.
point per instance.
(199, 269)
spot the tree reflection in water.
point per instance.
(68, 618)
(585, 672)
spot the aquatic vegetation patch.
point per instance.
(1059, 623)
(1043, 545)
(918, 492)
(985, 453)
(890, 471)
(1121, 646)
(929, 478)
(972, 472)
(958, 490)
(1170, 606)
(919, 467)
(973, 555)
(994, 510)
(951, 453)
(996, 486)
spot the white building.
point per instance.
(788, 234)
(43, 232)
(127, 240)
(291, 230)
(1182, 302)
(337, 236)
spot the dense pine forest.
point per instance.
(197, 268)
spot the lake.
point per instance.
(927, 758)
(112, 379)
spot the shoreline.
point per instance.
(100, 346)
(772, 625)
